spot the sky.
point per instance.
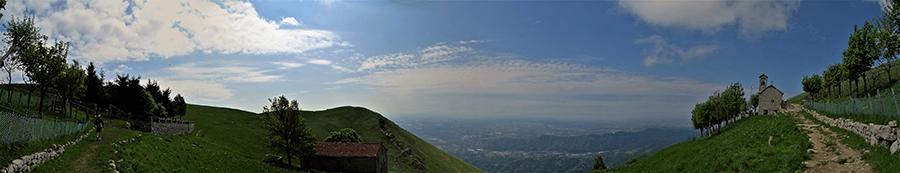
(582, 60)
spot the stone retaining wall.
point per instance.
(161, 126)
(171, 128)
(884, 135)
(27, 163)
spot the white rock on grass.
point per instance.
(895, 147)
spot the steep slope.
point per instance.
(407, 152)
(765, 143)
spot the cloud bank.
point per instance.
(754, 18)
(454, 79)
(111, 30)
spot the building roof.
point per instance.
(347, 149)
(771, 87)
(763, 75)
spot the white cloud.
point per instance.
(288, 65)
(110, 30)
(476, 41)
(216, 73)
(753, 17)
(289, 21)
(661, 50)
(121, 69)
(328, 3)
(198, 89)
(319, 61)
(429, 55)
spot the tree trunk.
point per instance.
(30, 92)
(41, 104)
(289, 156)
(9, 87)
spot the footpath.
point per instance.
(829, 152)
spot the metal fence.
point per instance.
(16, 128)
(882, 104)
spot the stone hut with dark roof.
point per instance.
(770, 98)
(349, 157)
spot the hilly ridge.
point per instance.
(406, 152)
(232, 140)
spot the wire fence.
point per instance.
(18, 128)
(882, 104)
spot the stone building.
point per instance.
(770, 98)
(349, 157)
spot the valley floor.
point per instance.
(829, 152)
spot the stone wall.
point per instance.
(883, 135)
(171, 127)
(27, 163)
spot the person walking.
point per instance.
(98, 124)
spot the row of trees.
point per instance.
(45, 70)
(721, 107)
(871, 43)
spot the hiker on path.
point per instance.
(98, 123)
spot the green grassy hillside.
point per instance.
(230, 140)
(739, 147)
(422, 156)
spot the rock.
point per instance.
(895, 147)
(872, 140)
(809, 163)
(886, 144)
(892, 124)
(18, 162)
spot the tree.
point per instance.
(94, 91)
(887, 28)
(19, 35)
(70, 83)
(598, 163)
(10, 66)
(179, 106)
(161, 98)
(43, 64)
(286, 131)
(861, 52)
(345, 135)
(812, 85)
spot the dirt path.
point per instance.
(829, 153)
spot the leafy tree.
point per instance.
(285, 130)
(861, 52)
(20, 34)
(43, 64)
(161, 97)
(887, 28)
(10, 66)
(179, 106)
(70, 83)
(598, 163)
(812, 85)
(345, 135)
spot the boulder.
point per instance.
(18, 162)
(895, 147)
(872, 140)
(892, 124)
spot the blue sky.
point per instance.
(598, 60)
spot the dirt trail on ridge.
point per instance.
(829, 153)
